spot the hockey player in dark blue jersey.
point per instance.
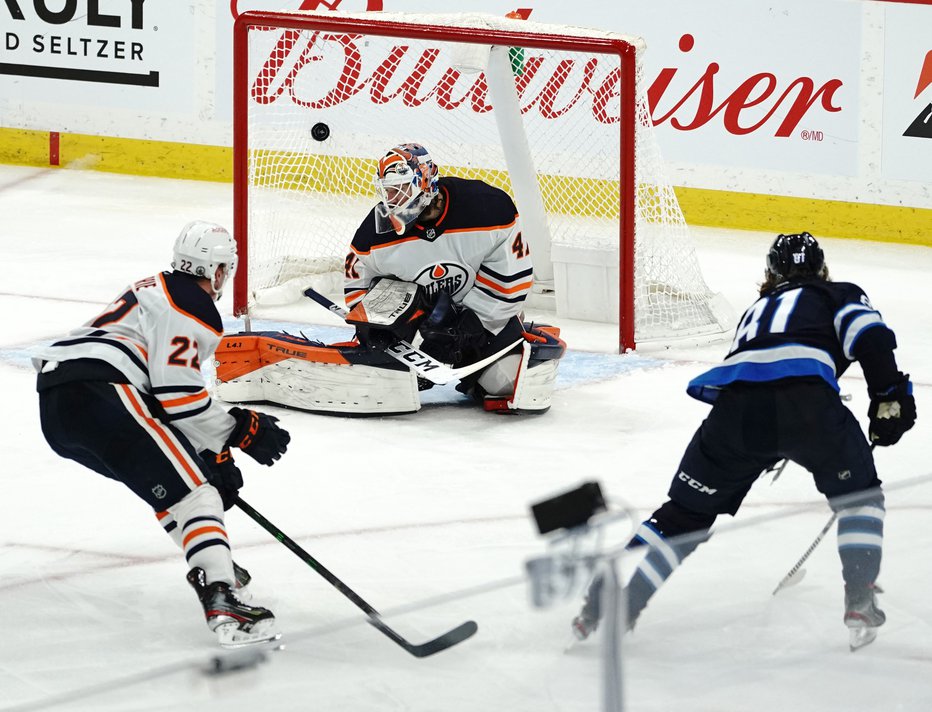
(776, 396)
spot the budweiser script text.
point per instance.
(570, 81)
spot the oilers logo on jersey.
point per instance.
(449, 277)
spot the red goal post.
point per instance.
(554, 115)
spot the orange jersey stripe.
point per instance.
(162, 434)
(182, 311)
(504, 290)
(203, 530)
(482, 229)
(387, 244)
(175, 402)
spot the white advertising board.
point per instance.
(129, 54)
(777, 91)
(907, 99)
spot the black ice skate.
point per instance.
(236, 623)
(862, 616)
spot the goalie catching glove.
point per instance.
(224, 475)
(258, 435)
(390, 311)
(453, 333)
(892, 412)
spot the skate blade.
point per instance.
(230, 636)
(861, 636)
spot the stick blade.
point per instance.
(453, 637)
(790, 580)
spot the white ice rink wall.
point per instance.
(772, 116)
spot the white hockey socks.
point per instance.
(202, 534)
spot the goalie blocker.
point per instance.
(349, 379)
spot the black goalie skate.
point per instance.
(236, 623)
(862, 616)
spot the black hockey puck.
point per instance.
(320, 131)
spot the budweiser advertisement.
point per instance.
(777, 90)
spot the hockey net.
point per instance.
(555, 115)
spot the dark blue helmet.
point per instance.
(795, 256)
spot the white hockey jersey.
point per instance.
(157, 334)
(474, 251)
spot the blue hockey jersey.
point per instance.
(800, 329)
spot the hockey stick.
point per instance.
(427, 366)
(777, 470)
(447, 640)
(795, 574)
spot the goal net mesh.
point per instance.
(323, 106)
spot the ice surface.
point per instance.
(98, 615)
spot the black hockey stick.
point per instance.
(447, 640)
(777, 470)
(421, 363)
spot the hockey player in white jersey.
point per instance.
(461, 242)
(124, 396)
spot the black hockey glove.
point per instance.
(258, 435)
(892, 412)
(453, 333)
(223, 474)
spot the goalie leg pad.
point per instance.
(327, 388)
(533, 381)
(284, 370)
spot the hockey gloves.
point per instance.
(453, 333)
(258, 435)
(390, 311)
(223, 474)
(892, 412)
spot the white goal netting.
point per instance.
(538, 117)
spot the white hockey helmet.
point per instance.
(407, 181)
(201, 248)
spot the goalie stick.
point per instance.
(427, 366)
(436, 645)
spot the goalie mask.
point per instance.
(795, 256)
(406, 181)
(201, 248)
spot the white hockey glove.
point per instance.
(389, 312)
